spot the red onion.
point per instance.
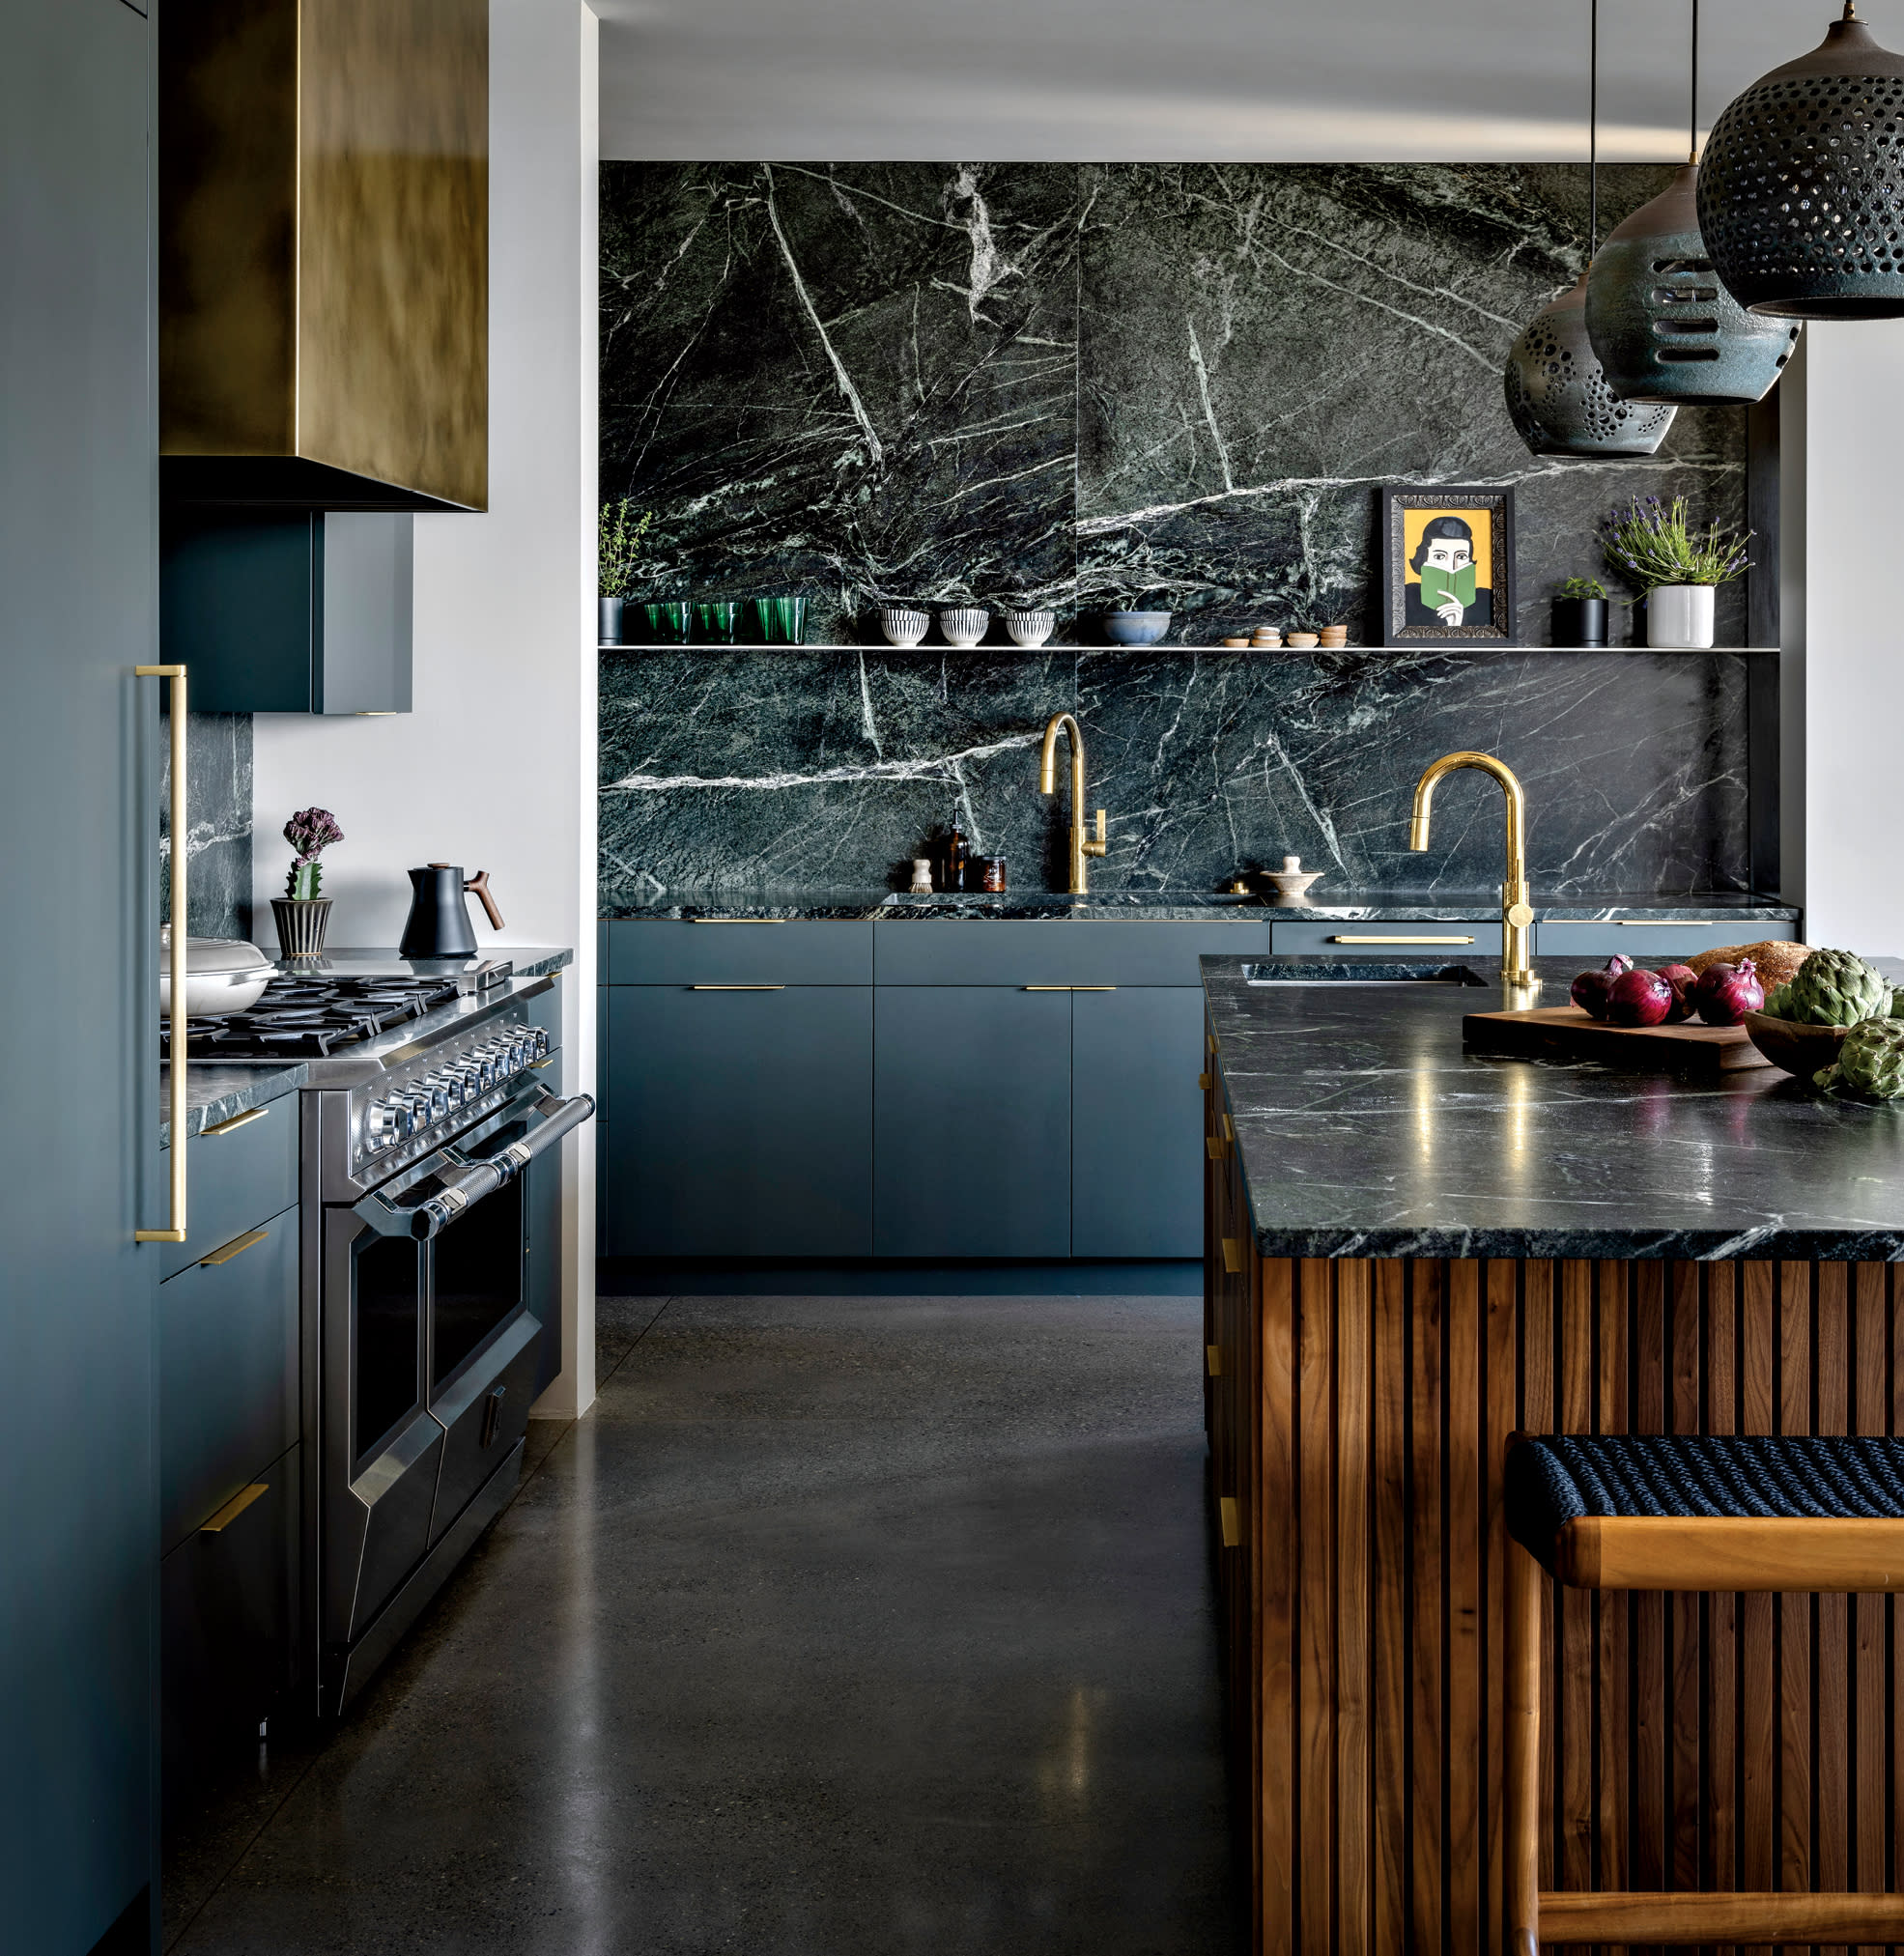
(1727, 992)
(1638, 997)
(1684, 980)
(1591, 987)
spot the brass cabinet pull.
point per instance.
(1232, 1255)
(1213, 1360)
(237, 1121)
(736, 988)
(234, 1508)
(1230, 1518)
(740, 920)
(237, 1247)
(178, 1106)
(1662, 922)
(543, 1065)
(1209, 1044)
(1215, 1146)
(1204, 1080)
(1070, 988)
(1401, 939)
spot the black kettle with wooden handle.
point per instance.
(439, 923)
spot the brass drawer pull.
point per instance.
(234, 1508)
(1232, 1255)
(1665, 922)
(237, 1247)
(237, 1121)
(740, 920)
(1217, 1147)
(1230, 1518)
(1213, 1360)
(178, 1072)
(737, 988)
(1205, 1081)
(1401, 939)
(543, 1065)
(1070, 988)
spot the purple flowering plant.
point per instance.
(311, 831)
(1650, 543)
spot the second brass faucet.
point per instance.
(1082, 844)
(1517, 909)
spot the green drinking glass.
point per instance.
(716, 621)
(779, 621)
(667, 621)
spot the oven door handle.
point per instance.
(468, 1181)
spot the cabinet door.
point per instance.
(741, 1121)
(1137, 1122)
(972, 1123)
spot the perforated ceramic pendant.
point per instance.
(1801, 193)
(1663, 326)
(1558, 396)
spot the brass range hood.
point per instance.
(324, 268)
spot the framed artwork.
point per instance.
(1447, 565)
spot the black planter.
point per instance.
(1579, 621)
(610, 620)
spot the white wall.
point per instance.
(1842, 623)
(495, 767)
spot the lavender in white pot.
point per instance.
(1674, 567)
(302, 914)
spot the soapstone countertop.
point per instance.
(1364, 1129)
(217, 1089)
(1187, 906)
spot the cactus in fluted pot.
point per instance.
(303, 912)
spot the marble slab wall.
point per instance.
(218, 841)
(1084, 384)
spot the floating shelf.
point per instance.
(1234, 651)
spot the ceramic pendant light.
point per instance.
(1558, 396)
(1663, 326)
(1802, 195)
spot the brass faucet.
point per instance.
(1082, 845)
(1517, 911)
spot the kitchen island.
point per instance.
(1411, 1253)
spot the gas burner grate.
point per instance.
(310, 1018)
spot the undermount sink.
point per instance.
(1273, 974)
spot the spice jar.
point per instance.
(992, 872)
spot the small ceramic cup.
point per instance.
(1302, 641)
(1030, 629)
(903, 625)
(1135, 628)
(1334, 637)
(1238, 644)
(963, 626)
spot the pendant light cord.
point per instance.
(1593, 132)
(1693, 144)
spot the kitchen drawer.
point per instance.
(226, 1609)
(236, 1180)
(1463, 938)
(1062, 951)
(1648, 943)
(791, 953)
(228, 1374)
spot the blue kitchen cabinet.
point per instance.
(740, 1121)
(1651, 941)
(1137, 1122)
(1457, 939)
(972, 1120)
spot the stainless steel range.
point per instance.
(430, 1271)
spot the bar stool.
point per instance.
(1808, 1514)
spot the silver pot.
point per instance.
(222, 976)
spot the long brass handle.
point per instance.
(234, 1508)
(1665, 922)
(1230, 1521)
(1233, 1256)
(177, 1105)
(237, 1121)
(740, 920)
(237, 1247)
(737, 988)
(1213, 1360)
(1070, 988)
(1401, 939)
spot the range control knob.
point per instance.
(385, 1123)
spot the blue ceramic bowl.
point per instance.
(1135, 628)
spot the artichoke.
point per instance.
(1898, 1001)
(1870, 1062)
(1837, 988)
(1778, 1002)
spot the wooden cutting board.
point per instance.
(1567, 1032)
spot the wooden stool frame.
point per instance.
(1690, 1553)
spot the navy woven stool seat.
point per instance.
(1554, 1479)
(1805, 1514)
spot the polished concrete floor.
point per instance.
(841, 1623)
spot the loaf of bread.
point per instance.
(1776, 962)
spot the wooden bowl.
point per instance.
(1803, 1050)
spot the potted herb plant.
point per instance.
(303, 915)
(1674, 567)
(1579, 613)
(619, 562)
